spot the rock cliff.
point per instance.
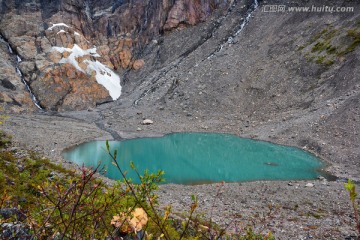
(71, 52)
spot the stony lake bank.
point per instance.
(314, 209)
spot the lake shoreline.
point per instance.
(197, 158)
(316, 208)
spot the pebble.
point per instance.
(147, 122)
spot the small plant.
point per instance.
(350, 187)
(324, 40)
(3, 119)
(5, 139)
(320, 60)
(355, 37)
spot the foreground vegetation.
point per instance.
(40, 200)
(355, 204)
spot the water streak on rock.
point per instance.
(18, 71)
(27, 86)
(230, 40)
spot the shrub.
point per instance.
(3, 119)
(350, 187)
(80, 208)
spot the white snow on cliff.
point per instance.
(58, 25)
(104, 75)
(61, 31)
(75, 52)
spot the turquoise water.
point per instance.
(193, 158)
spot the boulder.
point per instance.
(27, 67)
(138, 64)
(147, 122)
(125, 58)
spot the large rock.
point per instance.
(7, 84)
(187, 12)
(147, 122)
(67, 88)
(139, 63)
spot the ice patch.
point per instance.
(18, 72)
(61, 31)
(10, 49)
(104, 75)
(75, 52)
(58, 25)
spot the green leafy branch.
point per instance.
(143, 193)
(350, 187)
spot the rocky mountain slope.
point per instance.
(281, 79)
(286, 77)
(70, 49)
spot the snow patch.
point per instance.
(105, 11)
(61, 31)
(10, 49)
(75, 52)
(18, 72)
(58, 25)
(104, 75)
(77, 34)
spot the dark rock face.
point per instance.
(119, 30)
(7, 84)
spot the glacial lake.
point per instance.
(197, 158)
